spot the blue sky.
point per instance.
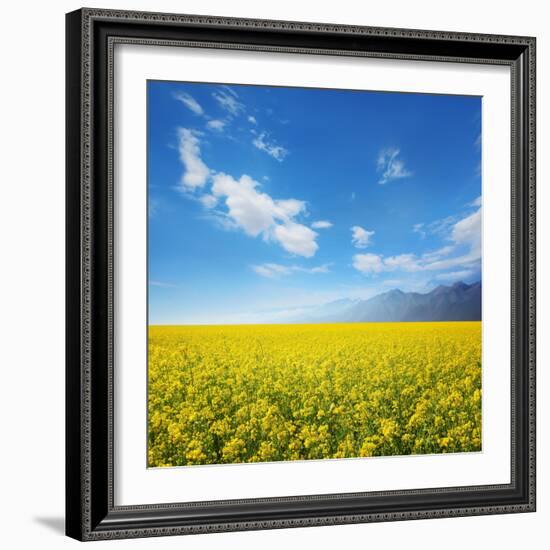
(265, 200)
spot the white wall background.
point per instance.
(32, 271)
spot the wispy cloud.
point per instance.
(272, 271)
(216, 124)
(152, 207)
(321, 224)
(190, 102)
(477, 142)
(390, 167)
(319, 269)
(437, 254)
(418, 228)
(360, 237)
(441, 227)
(464, 253)
(230, 90)
(196, 172)
(275, 271)
(252, 119)
(161, 284)
(468, 232)
(224, 98)
(227, 100)
(476, 202)
(263, 143)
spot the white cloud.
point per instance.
(469, 259)
(319, 269)
(289, 207)
(321, 224)
(476, 202)
(271, 148)
(296, 239)
(466, 245)
(403, 262)
(258, 214)
(360, 237)
(249, 208)
(190, 102)
(468, 231)
(437, 254)
(368, 263)
(466, 235)
(228, 101)
(390, 167)
(208, 201)
(216, 124)
(274, 271)
(271, 271)
(376, 263)
(196, 172)
(252, 119)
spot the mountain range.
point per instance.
(458, 302)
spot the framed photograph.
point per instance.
(300, 274)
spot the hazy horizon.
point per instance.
(300, 309)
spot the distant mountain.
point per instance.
(459, 302)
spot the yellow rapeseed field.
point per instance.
(227, 394)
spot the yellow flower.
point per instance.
(229, 394)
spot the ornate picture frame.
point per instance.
(91, 509)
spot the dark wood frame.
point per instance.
(91, 37)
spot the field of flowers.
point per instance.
(228, 394)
